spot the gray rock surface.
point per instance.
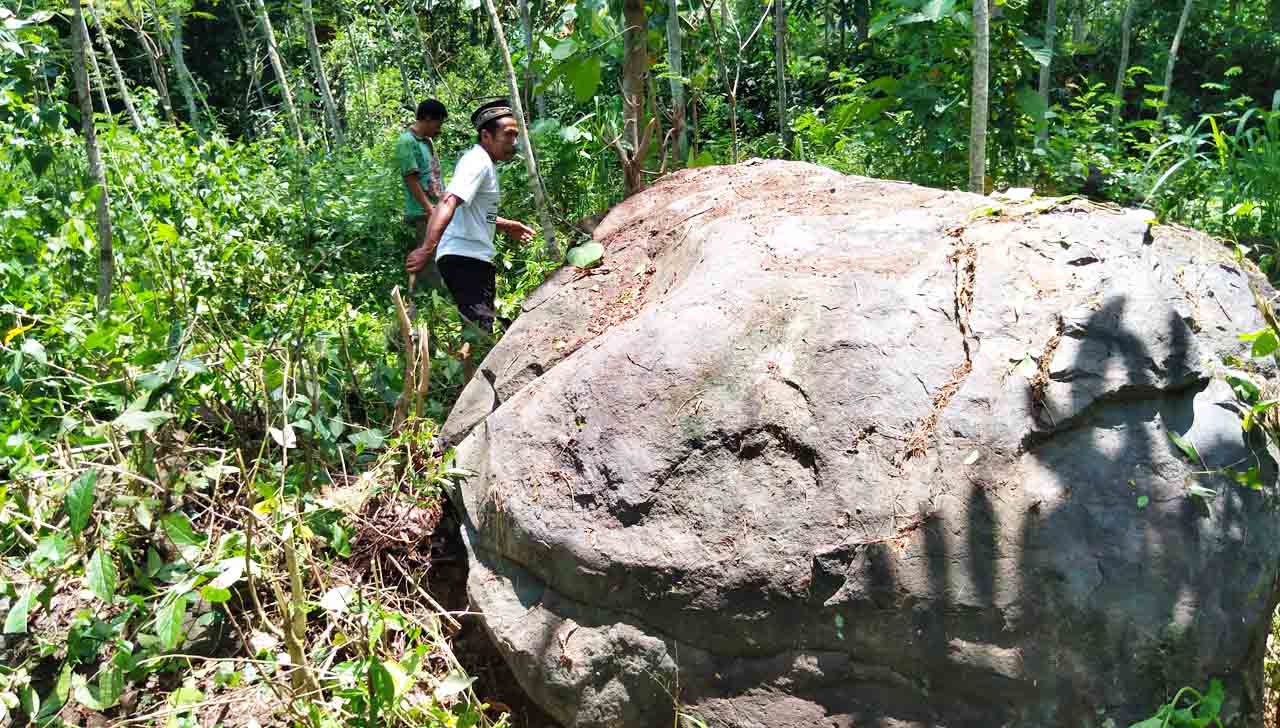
(817, 450)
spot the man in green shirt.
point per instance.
(419, 167)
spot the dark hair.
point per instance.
(432, 109)
(491, 125)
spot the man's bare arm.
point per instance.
(515, 229)
(440, 219)
(419, 194)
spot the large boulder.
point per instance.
(817, 450)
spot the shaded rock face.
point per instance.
(816, 450)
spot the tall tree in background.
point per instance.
(98, 80)
(979, 100)
(106, 256)
(1079, 24)
(409, 100)
(739, 47)
(1122, 70)
(251, 56)
(116, 73)
(1046, 75)
(1173, 58)
(526, 141)
(154, 57)
(675, 61)
(317, 65)
(780, 68)
(635, 83)
(273, 52)
(526, 27)
(186, 82)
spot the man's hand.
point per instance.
(417, 260)
(517, 230)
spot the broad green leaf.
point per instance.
(135, 421)
(453, 683)
(1258, 409)
(1032, 104)
(215, 594)
(1036, 47)
(371, 439)
(101, 575)
(587, 255)
(51, 551)
(564, 49)
(584, 77)
(183, 535)
(166, 233)
(169, 621)
(1265, 345)
(384, 684)
(1251, 478)
(185, 696)
(1143, 501)
(83, 695)
(110, 685)
(15, 622)
(79, 500)
(1187, 447)
(1244, 388)
(285, 438)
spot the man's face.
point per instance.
(431, 128)
(504, 139)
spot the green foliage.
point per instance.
(1189, 709)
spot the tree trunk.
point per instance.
(409, 100)
(828, 20)
(979, 100)
(1173, 58)
(635, 70)
(251, 48)
(185, 81)
(1046, 76)
(1126, 23)
(106, 257)
(862, 16)
(273, 53)
(118, 74)
(526, 27)
(153, 60)
(1079, 29)
(780, 63)
(96, 69)
(313, 46)
(531, 162)
(675, 60)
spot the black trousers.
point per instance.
(474, 286)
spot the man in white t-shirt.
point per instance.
(462, 226)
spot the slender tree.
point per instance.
(1046, 67)
(409, 100)
(1079, 26)
(739, 47)
(153, 60)
(780, 67)
(1122, 70)
(96, 69)
(186, 82)
(106, 257)
(635, 76)
(251, 55)
(317, 64)
(121, 85)
(675, 60)
(273, 52)
(980, 97)
(1173, 58)
(526, 141)
(526, 28)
